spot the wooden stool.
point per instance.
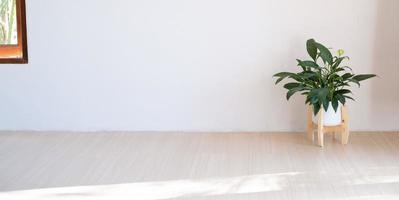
(343, 128)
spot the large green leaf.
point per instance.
(334, 103)
(347, 75)
(339, 69)
(312, 49)
(290, 93)
(293, 91)
(308, 63)
(326, 103)
(311, 98)
(341, 99)
(325, 54)
(314, 99)
(343, 91)
(307, 100)
(308, 74)
(362, 77)
(291, 85)
(334, 77)
(296, 77)
(279, 80)
(342, 84)
(282, 76)
(320, 94)
(316, 108)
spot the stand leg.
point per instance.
(310, 124)
(334, 135)
(345, 121)
(320, 126)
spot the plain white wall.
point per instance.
(192, 65)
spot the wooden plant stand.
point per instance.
(343, 128)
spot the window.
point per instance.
(13, 41)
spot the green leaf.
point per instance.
(325, 54)
(349, 97)
(326, 104)
(347, 75)
(341, 99)
(335, 104)
(316, 108)
(343, 84)
(307, 100)
(311, 48)
(282, 76)
(293, 91)
(338, 61)
(311, 99)
(322, 94)
(339, 69)
(318, 95)
(362, 77)
(347, 67)
(296, 77)
(314, 99)
(279, 80)
(308, 63)
(334, 77)
(290, 93)
(308, 74)
(299, 64)
(354, 81)
(291, 85)
(343, 91)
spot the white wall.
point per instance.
(193, 65)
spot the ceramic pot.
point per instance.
(331, 118)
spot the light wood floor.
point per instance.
(218, 166)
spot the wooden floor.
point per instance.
(218, 166)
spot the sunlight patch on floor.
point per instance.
(159, 190)
(375, 179)
(374, 197)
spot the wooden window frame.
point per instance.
(17, 54)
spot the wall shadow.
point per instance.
(385, 90)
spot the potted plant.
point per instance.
(323, 80)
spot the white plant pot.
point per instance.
(331, 118)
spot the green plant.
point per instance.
(322, 79)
